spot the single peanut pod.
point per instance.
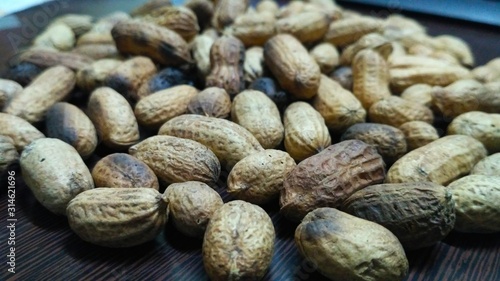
(326, 6)
(489, 166)
(464, 96)
(347, 31)
(326, 56)
(396, 111)
(227, 56)
(113, 118)
(94, 75)
(78, 23)
(68, 123)
(476, 203)
(204, 11)
(97, 51)
(176, 18)
(338, 106)
(292, 9)
(58, 35)
(389, 141)
(253, 67)
(370, 77)
(211, 102)
(457, 47)
(8, 153)
(150, 6)
(418, 134)
(293, 67)
(305, 131)
(178, 160)
(8, 89)
(257, 113)
(441, 161)
(489, 72)
(124, 171)
(491, 97)
(43, 92)
(402, 78)
(49, 58)
(307, 27)
(191, 205)
(128, 77)
(200, 48)
(267, 6)
(159, 107)
(484, 127)
(411, 61)
(226, 12)
(418, 93)
(229, 141)
(258, 178)
(118, 217)
(100, 33)
(140, 38)
(253, 29)
(55, 173)
(19, 130)
(373, 41)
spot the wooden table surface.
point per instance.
(46, 249)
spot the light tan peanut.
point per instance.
(489, 72)
(347, 31)
(8, 89)
(338, 106)
(257, 113)
(489, 166)
(402, 78)
(68, 123)
(326, 6)
(464, 96)
(159, 107)
(396, 111)
(123, 170)
(403, 25)
(293, 67)
(425, 51)
(97, 51)
(150, 6)
(176, 18)
(441, 161)
(227, 56)
(326, 232)
(227, 256)
(128, 77)
(19, 130)
(292, 9)
(418, 134)
(113, 118)
(370, 77)
(100, 33)
(410, 61)
(476, 203)
(253, 67)
(49, 58)
(200, 48)
(178, 160)
(55, 173)
(485, 127)
(191, 205)
(94, 75)
(389, 141)
(253, 29)
(258, 178)
(307, 27)
(43, 92)
(58, 36)
(418, 93)
(78, 23)
(491, 97)
(326, 56)
(118, 217)
(373, 41)
(305, 131)
(211, 102)
(229, 141)
(8, 153)
(457, 47)
(204, 11)
(267, 6)
(137, 37)
(226, 12)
